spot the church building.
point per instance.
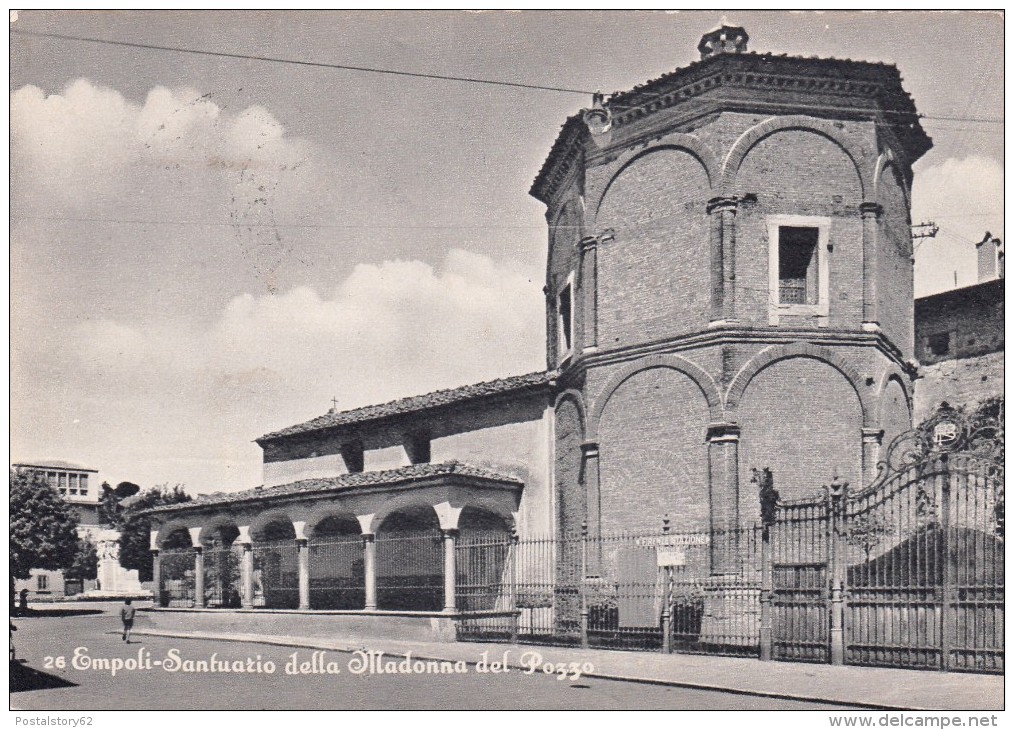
(729, 286)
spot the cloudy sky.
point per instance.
(205, 249)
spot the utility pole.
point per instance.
(929, 229)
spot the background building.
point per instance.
(79, 486)
(959, 338)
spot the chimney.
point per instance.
(724, 38)
(989, 252)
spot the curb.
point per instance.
(298, 643)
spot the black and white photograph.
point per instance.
(507, 360)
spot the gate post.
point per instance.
(837, 493)
(584, 585)
(769, 504)
(513, 602)
(948, 598)
(667, 600)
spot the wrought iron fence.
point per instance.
(276, 574)
(337, 579)
(221, 577)
(177, 571)
(410, 572)
(641, 591)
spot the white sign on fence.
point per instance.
(671, 556)
(672, 540)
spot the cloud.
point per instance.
(183, 401)
(964, 197)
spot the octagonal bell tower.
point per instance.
(729, 285)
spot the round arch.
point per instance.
(577, 398)
(409, 559)
(775, 353)
(677, 142)
(171, 536)
(260, 524)
(672, 362)
(894, 373)
(751, 137)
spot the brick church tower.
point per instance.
(729, 285)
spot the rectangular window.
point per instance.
(565, 319)
(798, 264)
(83, 482)
(940, 343)
(42, 582)
(73, 483)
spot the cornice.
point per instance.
(730, 336)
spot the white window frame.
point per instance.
(564, 352)
(775, 307)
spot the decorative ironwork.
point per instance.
(950, 430)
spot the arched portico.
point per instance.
(390, 544)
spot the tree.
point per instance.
(86, 562)
(110, 503)
(43, 527)
(135, 528)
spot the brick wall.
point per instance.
(801, 418)
(894, 263)
(966, 381)
(564, 259)
(972, 317)
(896, 418)
(796, 172)
(653, 457)
(653, 278)
(570, 492)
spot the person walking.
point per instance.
(127, 612)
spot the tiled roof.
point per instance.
(415, 472)
(894, 97)
(416, 403)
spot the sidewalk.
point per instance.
(870, 687)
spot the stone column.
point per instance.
(370, 570)
(450, 570)
(246, 570)
(872, 439)
(723, 482)
(723, 258)
(589, 290)
(870, 213)
(198, 576)
(303, 555)
(593, 505)
(156, 575)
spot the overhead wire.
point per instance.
(461, 79)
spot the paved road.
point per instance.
(53, 688)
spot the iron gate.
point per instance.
(907, 572)
(925, 569)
